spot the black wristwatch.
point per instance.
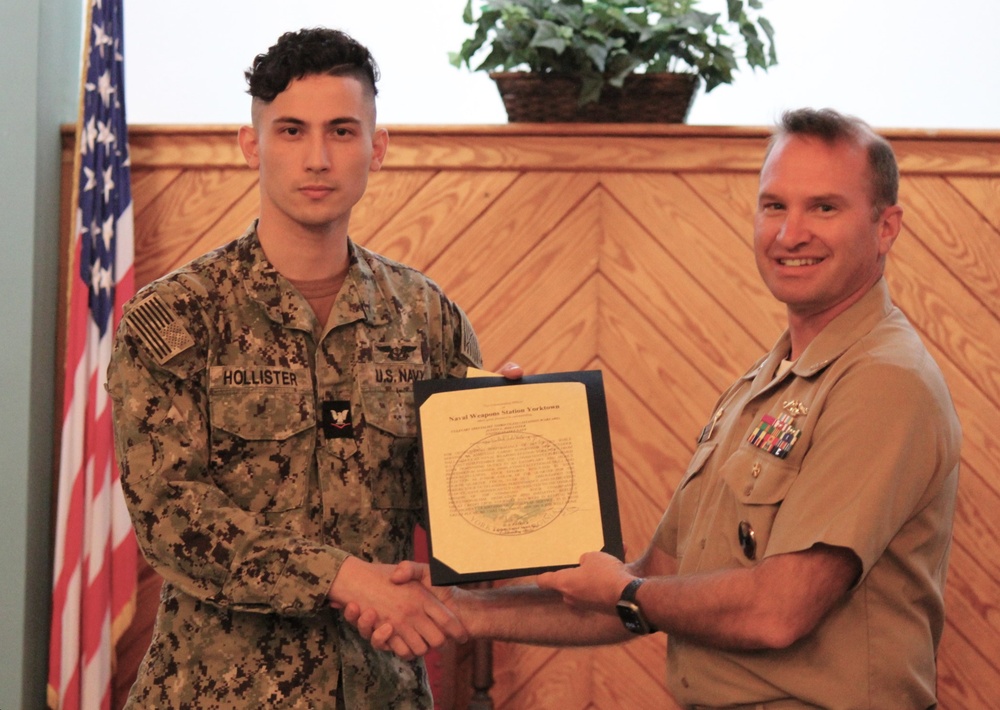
(629, 611)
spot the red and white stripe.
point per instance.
(94, 578)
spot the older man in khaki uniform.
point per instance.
(801, 562)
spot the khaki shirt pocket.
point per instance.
(688, 498)
(758, 482)
(262, 444)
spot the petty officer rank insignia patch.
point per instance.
(158, 328)
(337, 420)
(775, 435)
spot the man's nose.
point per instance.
(318, 154)
(794, 229)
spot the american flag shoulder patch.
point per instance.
(158, 328)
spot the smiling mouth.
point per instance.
(799, 262)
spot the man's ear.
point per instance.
(380, 144)
(247, 138)
(890, 224)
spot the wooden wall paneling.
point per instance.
(946, 313)
(650, 276)
(983, 193)
(979, 486)
(653, 366)
(389, 191)
(175, 222)
(628, 249)
(732, 196)
(956, 232)
(967, 660)
(547, 273)
(650, 456)
(624, 676)
(960, 683)
(539, 677)
(567, 343)
(495, 243)
(185, 146)
(416, 232)
(147, 183)
(232, 223)
(972, 600)
(715, 257)
(578, 148)
(945, 152)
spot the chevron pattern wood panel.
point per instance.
(628, 249)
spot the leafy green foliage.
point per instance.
(603, 41)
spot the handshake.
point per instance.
(408, 616)
(397, 609)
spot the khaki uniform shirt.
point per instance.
(857, 446)
(255, 459)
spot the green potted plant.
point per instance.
(608, 53)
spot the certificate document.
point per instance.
(518, 475)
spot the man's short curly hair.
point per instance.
(307, 52)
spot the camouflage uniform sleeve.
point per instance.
(464, 345)
(188, 529)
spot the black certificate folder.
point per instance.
(518, 475)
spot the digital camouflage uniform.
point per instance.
(255, 459)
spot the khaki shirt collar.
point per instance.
(834, 340)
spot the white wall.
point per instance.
(895, 63)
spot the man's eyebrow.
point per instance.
(828, 197)
(340, 120)
(824, 197)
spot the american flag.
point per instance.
(94, 575)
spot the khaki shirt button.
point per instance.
(748, 490)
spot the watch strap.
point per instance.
(628, 598)
(628, 594)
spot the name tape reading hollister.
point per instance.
(158, 328)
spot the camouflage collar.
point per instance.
(360, 297)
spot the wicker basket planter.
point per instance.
(552, 98)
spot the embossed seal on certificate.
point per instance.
(511, 483)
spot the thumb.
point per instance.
(406, 572)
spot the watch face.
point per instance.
(632, 617)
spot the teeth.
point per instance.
(799, 262)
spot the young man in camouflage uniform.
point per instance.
(264, 419)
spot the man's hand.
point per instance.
(512, 371)
(596, 584)
(416, 620)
